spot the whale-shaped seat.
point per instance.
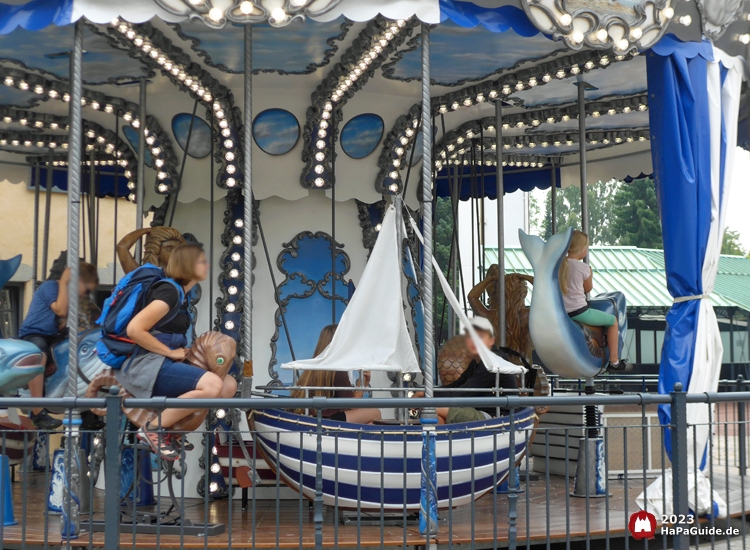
(563, 345)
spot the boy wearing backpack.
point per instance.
(44, 326)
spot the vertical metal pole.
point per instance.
(500, 224)
(318, 512)
(333, 220)
(141, 189)
(427, 219)
(679, 431)
(92, 207)
(112, 472)
(70, 524)
(117, 193)
(582, 153)
(35, 251)
(428, 508)
(75, 141)
(553, 198)
(47, 210)
(742, 426)
(247, 233)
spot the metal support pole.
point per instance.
(553, 199)
(247, 232)
(35, 250)
(582, 153)
(112, 471)
(500, 224)
(47, 210)
(427, 221)
(428, 520)
(333, 222)
(742, 426)
(318, 512)
(679, 434)
(141, 189)
(70, 524)
(92, 207)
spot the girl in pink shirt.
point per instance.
(576, 280)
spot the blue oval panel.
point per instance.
(200, 141)
(131, 134)
(361, 135)
(276, 131)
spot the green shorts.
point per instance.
(458, 415)
(595, 318)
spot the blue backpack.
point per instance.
(127, 299)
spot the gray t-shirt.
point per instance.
(578, 272)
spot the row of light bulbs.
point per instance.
(193, 83)
(345, 83)
(17, 79)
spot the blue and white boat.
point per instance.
(379, 467)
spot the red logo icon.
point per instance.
(642, 525)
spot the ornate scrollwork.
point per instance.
(305, 284)
(245, 12)
(717, 15)
(370, 216)
(611, 25)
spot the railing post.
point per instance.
(741, 420)
(512, 497)
(318, 514)
(112, 470)
(679, 457)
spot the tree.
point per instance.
(635, 215)
(731, 244)
(600, 196)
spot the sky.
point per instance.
(739, 198)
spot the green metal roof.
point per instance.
(640, 274)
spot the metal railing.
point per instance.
(483, 502)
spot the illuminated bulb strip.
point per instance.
(339, 86)
(193, 84)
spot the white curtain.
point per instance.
(372, 334)
(724, 102)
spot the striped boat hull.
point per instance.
(379, 467)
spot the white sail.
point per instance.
(372, 334)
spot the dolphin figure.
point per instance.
(20, 361)
(559, 341)
(89, 365)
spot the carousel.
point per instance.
(304, 145)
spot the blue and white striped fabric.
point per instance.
(694, 92)
(379, 467)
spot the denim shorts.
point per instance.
(176, 379)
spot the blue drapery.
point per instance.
(513, 180)
(680, 149)
(467, 14)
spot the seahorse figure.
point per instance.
(211, 351)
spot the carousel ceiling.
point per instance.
(367, 71)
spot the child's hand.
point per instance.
(179, 354)
(65, 277)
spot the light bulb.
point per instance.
(565, 19)
(215, 14)
(278, 14)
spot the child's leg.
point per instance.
(613, 342)
(36, 388)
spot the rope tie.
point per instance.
(688, 298)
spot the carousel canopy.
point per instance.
(191, 55)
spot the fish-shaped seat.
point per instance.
(564, 346)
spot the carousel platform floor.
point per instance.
(285, 530)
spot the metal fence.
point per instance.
(125, 497)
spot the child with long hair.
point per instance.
(334, 384)
(576, 280)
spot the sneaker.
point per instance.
(44, 422)
(620, 367)
(159, 443)
(181, 442)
